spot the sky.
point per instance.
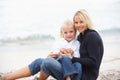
(46, 16)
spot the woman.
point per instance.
(91, 49)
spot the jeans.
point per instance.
(51, 67)
(74, 70)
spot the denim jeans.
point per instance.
(74, 70)
(51, 67)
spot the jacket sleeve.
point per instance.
(93, 51)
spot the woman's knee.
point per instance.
(48, 62)
(35, 66)
(51, 66)
(38, 61)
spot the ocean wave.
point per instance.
(110, 31)
(27, 38)
(111, 35)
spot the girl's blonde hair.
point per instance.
(83, 15)
(66, 24)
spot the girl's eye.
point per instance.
(65, 32)
(71, 31)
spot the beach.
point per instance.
(110, 65)
(20, 53)
(14, 55)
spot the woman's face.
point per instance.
(79, 24)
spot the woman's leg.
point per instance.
(23, 72)
(43, 76)
(35, 66)
(68, 78)
(52, 67)
(32, 69)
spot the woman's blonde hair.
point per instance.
(66, 24)
(83, 14)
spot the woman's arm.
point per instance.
(93, 54)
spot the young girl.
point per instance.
(71, 48)
(68, 43)
(68, 40)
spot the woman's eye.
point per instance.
(76, 22)
(81, 21)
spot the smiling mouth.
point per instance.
(80, 28)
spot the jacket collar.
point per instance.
(85, 32)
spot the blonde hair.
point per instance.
(83, 14)
(66, 24)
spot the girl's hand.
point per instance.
(67, 52)
(63, 52)
(53, 55)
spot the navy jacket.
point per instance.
(91, 53)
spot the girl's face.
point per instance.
(68, 33)
(79, 24)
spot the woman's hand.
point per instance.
(70, 51)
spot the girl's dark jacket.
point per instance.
(91, 53)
